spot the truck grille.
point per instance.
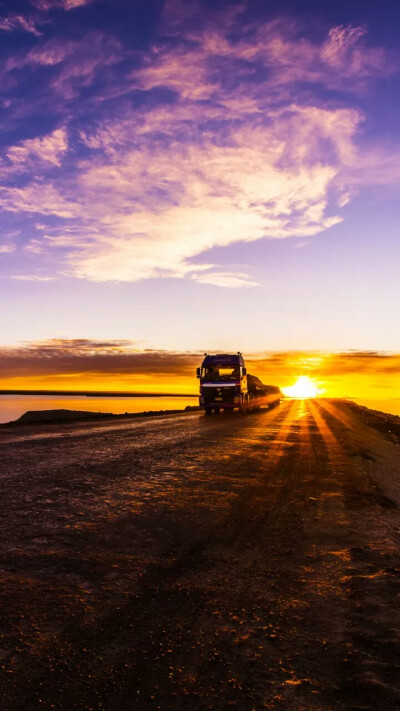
(218, 395)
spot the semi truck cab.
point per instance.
(223, 383)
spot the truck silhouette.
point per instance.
(226, 385)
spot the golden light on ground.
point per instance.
(303, 388)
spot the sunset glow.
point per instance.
(303, 388)
(199, 176)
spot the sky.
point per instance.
(183, 176)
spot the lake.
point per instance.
(13, 406)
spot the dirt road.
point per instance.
(187, 563)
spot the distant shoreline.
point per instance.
(86, 393)
(63, 417)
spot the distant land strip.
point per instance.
(85, 393)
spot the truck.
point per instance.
(226, 385)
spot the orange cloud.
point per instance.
(121, 365)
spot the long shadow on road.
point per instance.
(242, 601)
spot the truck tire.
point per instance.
(216, 410)
(208, 410)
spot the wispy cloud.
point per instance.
(225, 279)
(39, 197)
(7, 248)
(76, 63)
(203, 65)
(46, 5)
(86, 60)
(31, 277)
(49, 148)
(14, 23)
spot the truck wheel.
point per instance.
(208, 410)
(216, 410)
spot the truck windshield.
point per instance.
(220, 372)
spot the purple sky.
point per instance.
(200, 175)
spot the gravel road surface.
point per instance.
(187, 562)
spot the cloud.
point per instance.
(58, 357)
(346, 52)
(49, 148)
(47, 54)
(121, 364)
(147, 216)
(7, 248)
(46, 5)
(362, 362)
(86, 59)
(37, 197)
(31, 277)
(225, 279)
(344, 367)
(201, 66)
(13, 23)
(225, 144)
(76, 63)
(34, 246)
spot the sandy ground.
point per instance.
(185, 562)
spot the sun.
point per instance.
(303, 388)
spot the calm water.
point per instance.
(13, 406)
